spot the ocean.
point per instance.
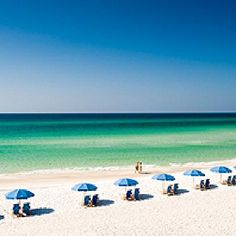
(50, 141)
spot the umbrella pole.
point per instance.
(21, 210)
(220, 178)
(163, 186)
(124, 196)
(193, 182)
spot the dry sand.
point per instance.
(57, 210)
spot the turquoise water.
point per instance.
(42, 141)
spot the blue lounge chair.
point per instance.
(229, 180)
(26, 208)
(16, 209)
(129, 195)
(234, 180)
(86, 200)
(176, 188)
(207, 184)
(136, 194)
(170, 190)
(94, 201)
(202, 186)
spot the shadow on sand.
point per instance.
(182, 191)
(213, 186)
(41, 211)
(145, 173)
(105, 202)
(1, 217)
(144, 196)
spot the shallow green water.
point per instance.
(41, 141)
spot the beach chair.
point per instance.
(202, 185)
(229, 180)
(170, 190)
(233, 180)
(16, 210)
(225, 182)
(26, 209)
(129, 195)
(94, 201)
(86, 200)
(136, 194)
(207, 184)
(176, 188)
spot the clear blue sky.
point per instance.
(117, 56)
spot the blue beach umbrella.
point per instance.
(125, 182)
(19, 194)
(164, 178)
(84, 187)
(221, 170)
(194, 173)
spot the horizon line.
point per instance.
(136, 112)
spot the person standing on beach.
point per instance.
(136, 167)
(140, 167)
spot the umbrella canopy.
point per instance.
(221, 169)
(84, 187)
(19, 194)
(194, 173)
(164, 177)
(126, 182)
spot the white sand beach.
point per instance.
(57, 210)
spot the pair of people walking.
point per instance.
(139, 167)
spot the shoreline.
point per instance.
(55, 177)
